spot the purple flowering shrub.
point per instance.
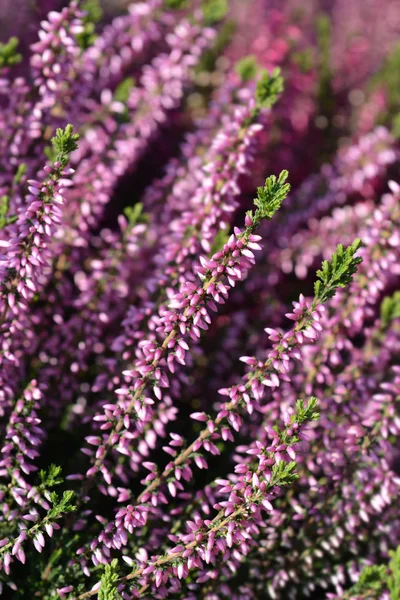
(199, 366)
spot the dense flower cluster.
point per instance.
(199, 362)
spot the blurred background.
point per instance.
(343, 57)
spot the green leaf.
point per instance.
(304, 59)
(390, 308)
(336, 273)
(175, 4)
(269, 88)
(394, 578)
(247, 68)
(283, 473)
(388, 78)
(94, 14)
(93, 10)
(64, 142)
(271, 195)
(51, 477)
(375, 580)
(135, 214)
(214, 11)
(211, 55)
(306, 413)
(5, 219)
(371, 583)
(324, 41)
(122, 91)
(21, 170)
(396, 126)
(61, 505)
(220, 239)
(8, 53)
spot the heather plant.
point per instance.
(200, 302)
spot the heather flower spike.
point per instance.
(28, 249)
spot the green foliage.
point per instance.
(283, 473)
(94, 14)
(325, 93)
(336, 273)
(375, 580)
(371, 582)
(51, 477)
(64, 142)
(108, 589)
(93, 10)
(390, 308)
(324, 41)
(270, 196)
(22, 169)
(394, 577)
(214, 10)
(269, 88)
(220, 239)
(247, 67)
(121, 94)
(61, 505)
(305, 59)
(388, 78)
(324, 36)
(135, 214)
(306, 413)
(303, 414)
(396, 126)
(210, 55)
(4, 207)
(50, 153)
(175, 4)
(8, 53)
(123, 90)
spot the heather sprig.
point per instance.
(269, 88)
(28, 245)
(270, 197)
(64, 142)
(338, 272)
